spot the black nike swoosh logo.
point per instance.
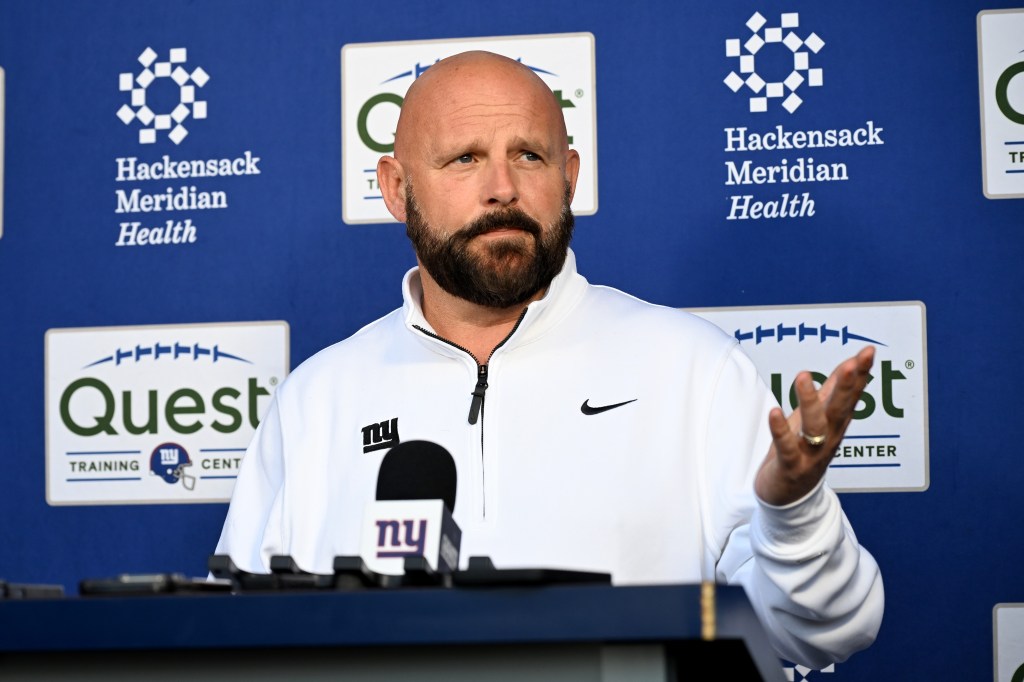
(586, 408)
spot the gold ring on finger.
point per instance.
(813, 441)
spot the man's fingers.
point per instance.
(824, 411)
(785, 439)
(812, 412)
(794, 464)
(852, 377)
(861, 362)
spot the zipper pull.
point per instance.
(478, 394)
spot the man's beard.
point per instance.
(504, 272)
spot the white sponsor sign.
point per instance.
(156, 414)
(1008, 635)
(376, 76)
(1001, 78)
(886, 444)
(394, 530)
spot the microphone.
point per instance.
(417, 470)
(408, 538)
(410, 522)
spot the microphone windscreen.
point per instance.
(417, 470)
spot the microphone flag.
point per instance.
(396, 529)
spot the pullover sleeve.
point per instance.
(252, 528)
(817, 591)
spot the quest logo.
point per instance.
(1001, 79)
(156, 414)
(376, 76)
(886, 445)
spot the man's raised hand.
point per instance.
(803, 444)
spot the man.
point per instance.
(590, 430)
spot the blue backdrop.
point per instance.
(910, 223)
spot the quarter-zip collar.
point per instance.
(564, 293)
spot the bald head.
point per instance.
(471, 83)
(479, 132)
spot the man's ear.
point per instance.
(391, 180)
(572, 171)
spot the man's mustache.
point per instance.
(512, 218)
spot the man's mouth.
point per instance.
(504, 228)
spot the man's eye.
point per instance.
(530, 156)
(465, 158)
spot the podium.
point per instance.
(598, 633)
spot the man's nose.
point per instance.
(500, 185)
